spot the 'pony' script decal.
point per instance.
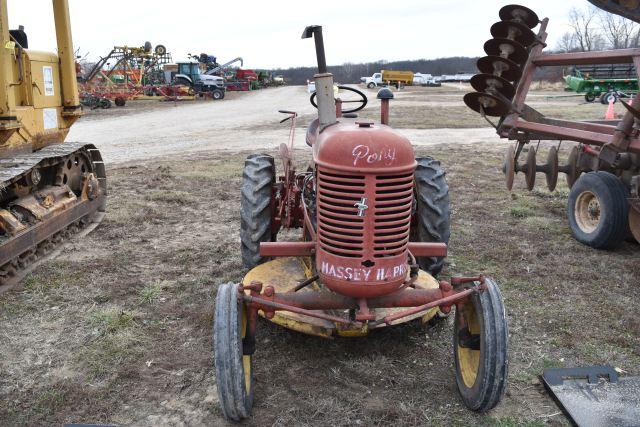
(362, 154)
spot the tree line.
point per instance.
(351, 72)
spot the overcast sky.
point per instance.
(266, 33)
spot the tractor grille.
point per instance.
(341, 231)
(393, 203)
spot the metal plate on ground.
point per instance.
(595, 395)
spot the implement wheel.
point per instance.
(433, 215)
(234, 370)
(258, 178)
(598, 210)
(217, 94)
(480, 348)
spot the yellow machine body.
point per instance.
(47, 186)
(38, 90)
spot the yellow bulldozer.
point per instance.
(48, 187)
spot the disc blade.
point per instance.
(513, 30)
(571, 169)
(489, 83)
(509, 167)
(502, 67)
(530, 169)
(492, 106)
(515, 12)
(552, 169)
(506, 48)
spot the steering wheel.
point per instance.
(363, 101)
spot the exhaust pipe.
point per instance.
(324, 80)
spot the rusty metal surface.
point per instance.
(617, 56)
(283, 275)
(41, 231)
(47, 210)
(286, 249)
(421, 249)
(626, 8)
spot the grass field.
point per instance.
(118, 328)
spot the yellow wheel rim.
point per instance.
(587, 212)
(246, 359)
(469, 359)
(634, 223)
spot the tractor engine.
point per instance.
(364, 189)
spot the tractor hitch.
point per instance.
(313, 304)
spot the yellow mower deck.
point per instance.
(284, 274)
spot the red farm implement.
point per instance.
(603, 168)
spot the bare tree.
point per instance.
(584, 26)
(619, 32)
(567, 43)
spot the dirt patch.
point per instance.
(122, 332)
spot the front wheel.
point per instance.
(589, 97)
(480, 342)
(598, 210)
(371, 85)
(234, 369)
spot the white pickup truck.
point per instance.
(373, 81)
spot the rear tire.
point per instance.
(480, 343)
(598, 211)
(234, 370)
(120, 101)
(255, 211)
(433, 214)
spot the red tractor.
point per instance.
(375, 225)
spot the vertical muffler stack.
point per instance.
(323, 80)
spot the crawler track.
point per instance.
(65, 169)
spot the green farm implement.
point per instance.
(605, 82)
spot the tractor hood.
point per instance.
(208, 78)
(361, 146)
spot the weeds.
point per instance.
(151, 292)
(111, 320)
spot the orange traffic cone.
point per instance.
(610, 115)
